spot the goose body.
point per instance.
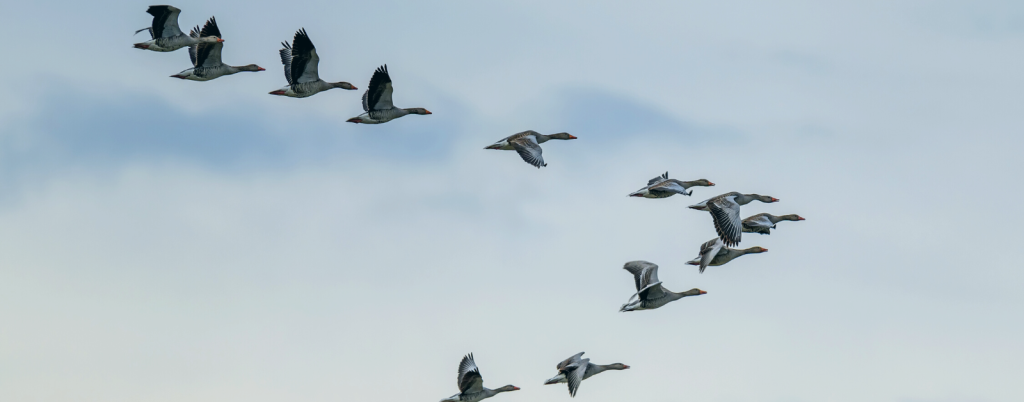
(725, 211)
(301, 69)
(763, 223)
(165, 34)
(471, 384)
(650, 294)
(527, 144)
(206, 57)
(575, 369)
(715, 253)
(377, 101)
(664, 187)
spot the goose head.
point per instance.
(562, 136)
(755, 250)
(703, 182)
(343, 85)
(617, 366)
(695, 292)
(252, 67)
(792, 217)
(508, 388)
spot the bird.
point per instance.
(206, 57)
(762, 223)
(377, 101)
(650, 294)
(664, 187)
(714, 253)
(725, 211)
(300, 69)
(471, 384)
(167, 37)
(574, 370)
(527, 144)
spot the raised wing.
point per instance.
(575, 376)
(529, 150)
(165, 21)
(565, 363)
(286, 59)
(378, 94)
(726, 214)
(637, 269)
(658, 179)
(304, 59)
(208, 54)
(192, 49)
(708, 251)
(470, 381)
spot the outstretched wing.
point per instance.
(708, 251)
(378, 93)
(658, 179)
(286, 59)
(165, 21)
(726, 214)
(529, 150)
(565, 363)
(470, 380)
(575, 376)
(208, 54)
(304, 59)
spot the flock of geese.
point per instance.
(301, 64)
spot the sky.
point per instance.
(168, 240)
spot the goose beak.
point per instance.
(775, 199)
(260, 69)
(354, 120)
(764, 250)
(220, 40)
(800, 218)
(711, 184)
(426, 111)
(703, 292)
(572, 137)
(277, 92)
(625, 366)
(515, 388)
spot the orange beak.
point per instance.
(260, 69)
(428, 112)
(775, 199)
(220, 40)
(703, 292)
(711, 184)
(800, 218)
(572, 137)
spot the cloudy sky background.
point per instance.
(164, 240)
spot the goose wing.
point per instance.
(757, 223)
(165, 21)
(658, 179)
(726, 214)
(670, 186)
(304, 59)
(192, 49)
(565, 363)
(708, 251)
(637, 269)
(650, 285)
(529, 150)
(286, 59)
(378, 94)
(574, 375)
(208, 54)
(470, 381)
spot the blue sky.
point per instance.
(165, 240)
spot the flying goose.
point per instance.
(300, 69)
(649, 292)
(471, 384)
(725, 211)
(762, 223)
(527, 144)
(715, 253)
(574, 370)
(167, 37)
(206, 57)
(663, 187)
(377, 101)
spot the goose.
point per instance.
(471, 384)
(763, 223)
(527, 144)
(377, 101)
(715, 253)
(206, 57)
(650, 294)
(574, 370)
(167, 37)
(725, 211)
(300, 69)
(664, 187)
